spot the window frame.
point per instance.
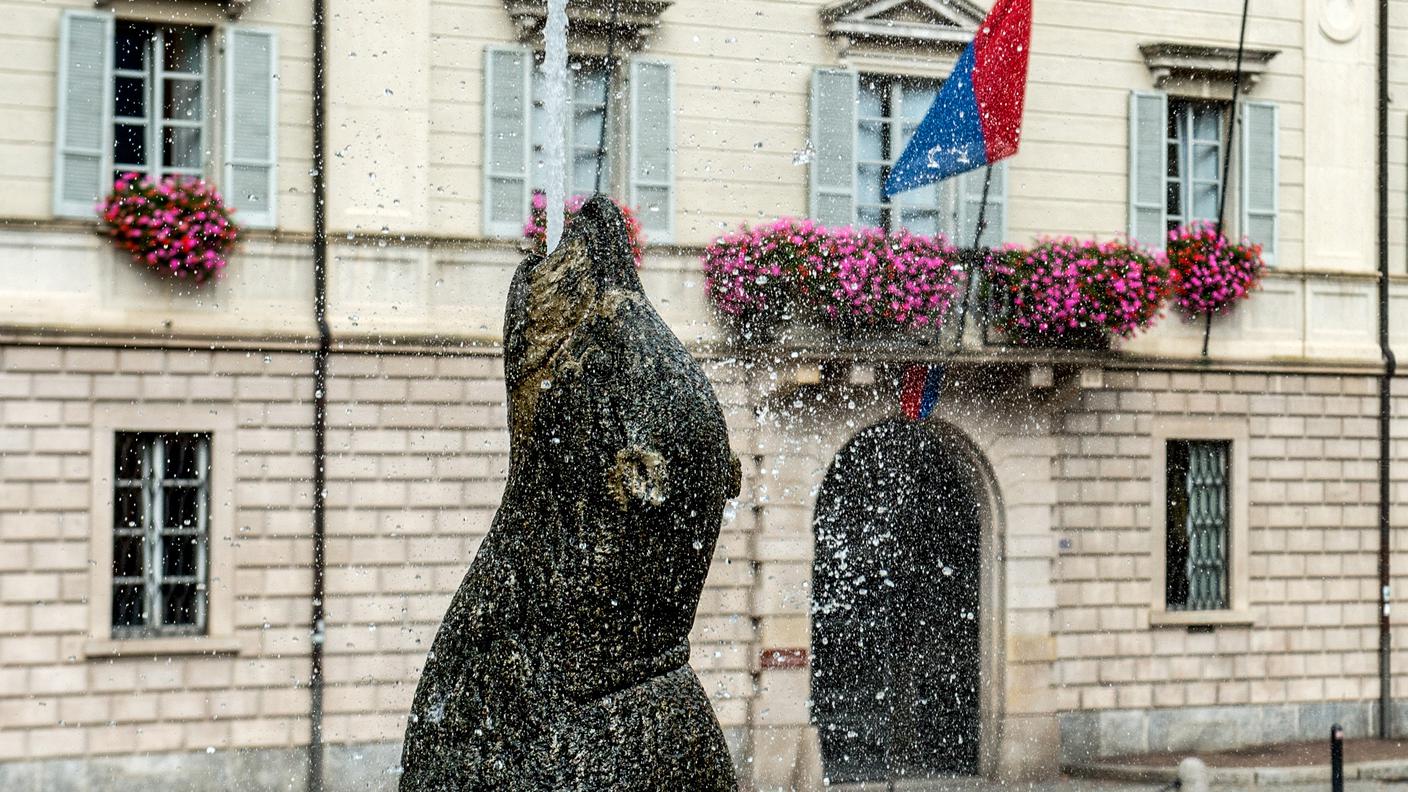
(1187, 180)
(155, 75)
(219, 423)
(892, 148)
(1236, 433)
(152, 485)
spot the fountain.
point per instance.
(563, 660)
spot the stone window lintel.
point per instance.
(635, 18)
(885, 22)
(1170, 61)
(233, 8)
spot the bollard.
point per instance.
(1336, 758)
(1192, 775)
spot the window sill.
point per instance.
(156, 647)
(1220, 618)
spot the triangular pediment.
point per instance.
(913, 21)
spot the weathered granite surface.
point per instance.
(562, 662)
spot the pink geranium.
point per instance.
(1072, 291)
(1211, 274)
(177, 225)
(853, 278)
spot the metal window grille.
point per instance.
(1194, 161)
(1197, 524)
(160, 559)
(890, 110)
(586, 104)
(160, 85)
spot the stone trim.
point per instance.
(1238, 573)
(234, 9)
(1097, 734)
(870, 21)
(1170, 62)
(217, 419)
(635, 20)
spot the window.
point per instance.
(1177, 161)
(159, 96)
(1199, 511)
(1196, 536)
(585, 122)
(138, 97)
(860, 126)
(640, 164)
(161, 506)
(889, 113)
(1196, 131)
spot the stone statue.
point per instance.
(562, 662)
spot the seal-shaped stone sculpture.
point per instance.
(562, 662)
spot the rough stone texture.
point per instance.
(562, 662)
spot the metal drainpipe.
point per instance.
(1385, 391)
(320, 398)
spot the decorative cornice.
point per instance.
(948, 23)
(1168, 60)
(635, 18)
(233, 8)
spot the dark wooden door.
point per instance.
(895, 622)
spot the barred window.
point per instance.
(160, 559)
(1197, 525)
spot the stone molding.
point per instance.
(1169, 61)
(906, 22)
(635, 19)
(233, 8)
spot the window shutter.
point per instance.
(1260, 179)
(652, 146)
(971, 185)
(508, 86)
(251, 125)
(83, 128)
(833, 171)
(1148, 168)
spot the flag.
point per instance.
(919, 390)
(976, 119)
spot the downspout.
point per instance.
(1385, 391)
(320, 399)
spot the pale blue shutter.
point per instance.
(508, 85)
(652, 147)
(1148, 168)
(971, 201)
(83, 128)
(1259, 155)
(833, 128)
(252, 125)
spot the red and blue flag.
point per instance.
(919, 390)
(976, 119)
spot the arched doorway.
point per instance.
(895, 608)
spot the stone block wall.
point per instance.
(418, 452)
(1312, 584)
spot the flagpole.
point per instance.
(973, 275)
(1227, 155)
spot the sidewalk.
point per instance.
(1271, 766)
(1069, 784)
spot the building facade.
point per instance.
(156, 527)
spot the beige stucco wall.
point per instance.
(405, 143)
(418, 439)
